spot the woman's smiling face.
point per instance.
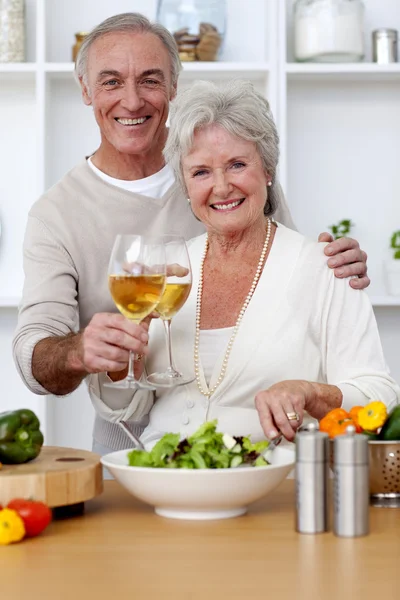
(225, 180)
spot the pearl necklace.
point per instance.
(209, 392)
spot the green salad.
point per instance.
(205, 449)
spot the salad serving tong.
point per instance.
(134, 438)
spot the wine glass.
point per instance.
(177, 289)
(136, 279)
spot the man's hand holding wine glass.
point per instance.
(106, 341)
(111, 342)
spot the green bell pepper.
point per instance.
(20, 437)
(391, 429)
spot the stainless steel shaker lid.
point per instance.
(351, 448)
(385, 33)
(311, 445)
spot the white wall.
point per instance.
(13, 393)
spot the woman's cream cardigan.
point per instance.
(302, 323)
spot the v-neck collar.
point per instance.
(265, 303)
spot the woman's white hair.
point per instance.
(239, 109)
(130, 22)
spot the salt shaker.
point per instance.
(312, 474)
(351, 484)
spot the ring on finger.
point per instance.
(293, 416)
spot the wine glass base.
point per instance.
(168, 380)
(126, 384)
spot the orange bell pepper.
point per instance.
(335, 422)
(354, 415)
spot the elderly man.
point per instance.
(68, 328)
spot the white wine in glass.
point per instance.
(177, 290)
(136, 279)
(172, 300)
(136, 295)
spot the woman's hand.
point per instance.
(274, 405)
(296, 396)
(347, 259)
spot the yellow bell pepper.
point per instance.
(12, 528)
(372, 416)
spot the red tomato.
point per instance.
(35, 515)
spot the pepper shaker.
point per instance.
(312, 474)
(351, 484)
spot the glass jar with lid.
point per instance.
(12, 31)
(198, 26)
(328, 30)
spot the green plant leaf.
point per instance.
(395, 240)
(341, 229)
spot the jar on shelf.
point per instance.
(198, 26)
(79, 37)
(12, 31)
(329, 30)
(384, 46)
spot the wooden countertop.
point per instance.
(119, 549)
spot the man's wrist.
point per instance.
(56, 365)
(74, 362)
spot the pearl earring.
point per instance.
(188, 200)
(269, 183)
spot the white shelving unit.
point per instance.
(339, 126)
(18, 68)
(368, 72)
(9, 301)
(211, 70)
(385, 301)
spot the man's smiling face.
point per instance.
(129, 86)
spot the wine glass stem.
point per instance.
(131, 373)
(167, 326)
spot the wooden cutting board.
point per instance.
(58, 477)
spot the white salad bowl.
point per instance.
(200, 493)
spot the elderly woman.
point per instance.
(271, 334)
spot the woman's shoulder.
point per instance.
(306, 274)
(304, 248)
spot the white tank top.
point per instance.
(212, 343)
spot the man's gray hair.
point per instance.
(130, 22)
(240, 110)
